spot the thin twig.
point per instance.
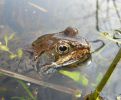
(97, 15)
(75, 92)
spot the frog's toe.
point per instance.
(46, 70)
(50, 71)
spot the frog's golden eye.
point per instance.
(62, 48)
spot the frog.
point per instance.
(63, 49)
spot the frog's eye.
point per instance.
(63, 48)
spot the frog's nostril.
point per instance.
(70, 31)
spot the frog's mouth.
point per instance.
(78, 56)
(74, 58)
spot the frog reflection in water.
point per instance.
(64, 48)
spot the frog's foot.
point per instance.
(48, 69)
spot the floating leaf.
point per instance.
(11, 36)
(20, 53)
(12, 56)
(6, 39)
(4, 48)
(76, 76)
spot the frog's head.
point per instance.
(69, 52)
(65, 47)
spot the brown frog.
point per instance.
(62, 49)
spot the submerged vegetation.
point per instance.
(76, 76)
(5, 48)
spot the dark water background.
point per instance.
(29, 22)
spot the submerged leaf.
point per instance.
(20, 53)
(12, 56)
(99, 77)
(6, 39)
(11, 36)
(84, 81)
(73, 75)
(76, 76)
(4, 48)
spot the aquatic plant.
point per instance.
(103, 82)
(5, 48)
(76, 76)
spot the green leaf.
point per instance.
(20, 53)
(6, 39)
(73, 75)
(4, 48)
(12, 56)
(84, 81)
(11, 36)
(76, 76)
(98, 98)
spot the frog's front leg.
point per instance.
(48, 68)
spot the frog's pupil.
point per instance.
(62, 48)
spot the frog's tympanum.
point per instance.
(63, 48)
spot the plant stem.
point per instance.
(97, 15)
(106, 77)
(75, 92)
(27, 89)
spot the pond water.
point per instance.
(29, 19)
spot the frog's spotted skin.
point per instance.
(60, 49)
